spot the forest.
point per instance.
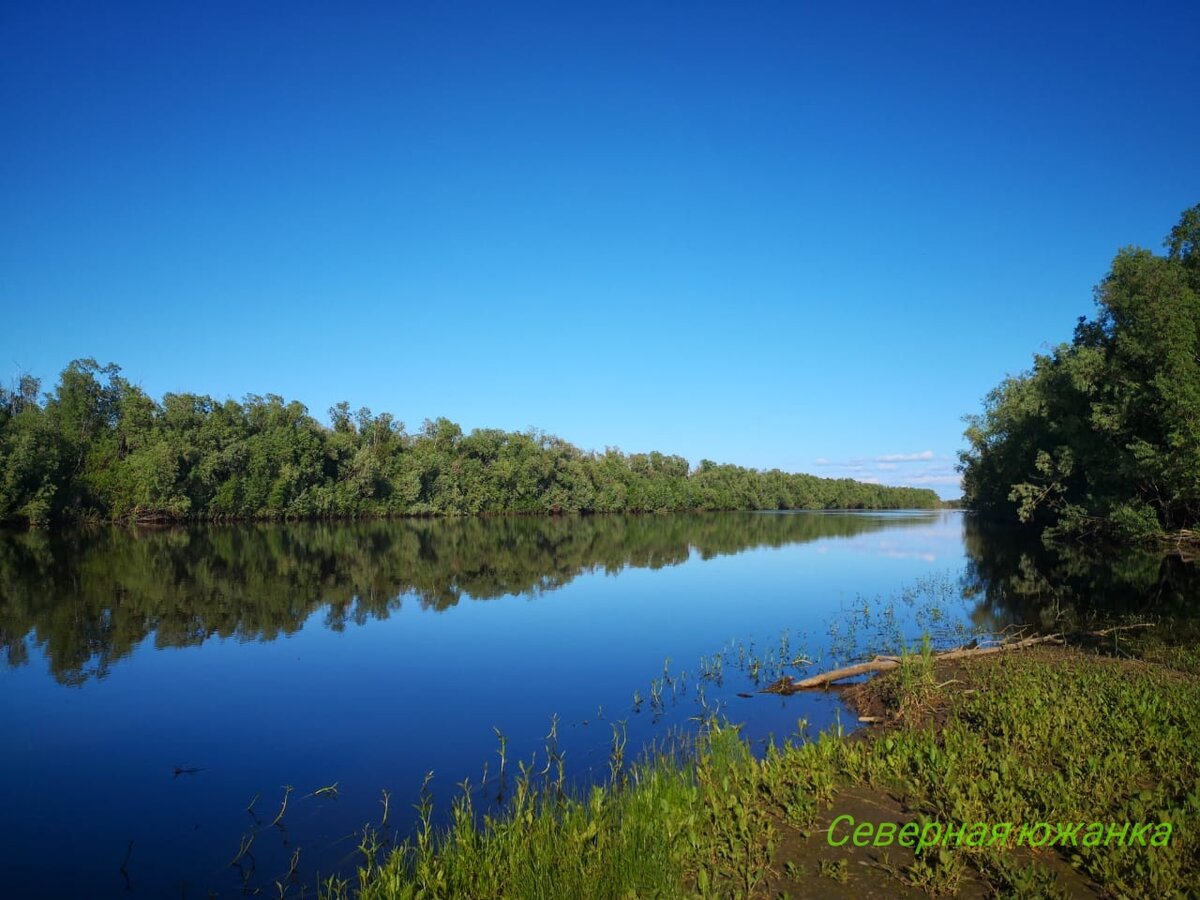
(98, 448)
(1100, 440)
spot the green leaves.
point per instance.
(100, 448)
(1102, 436)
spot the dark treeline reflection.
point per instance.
(1016, 578)
(93, 594)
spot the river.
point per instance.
(161, 689)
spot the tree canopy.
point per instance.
(99, 448)
(1101, 438)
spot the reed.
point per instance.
(244, 846)
(287, 791)
(387, 804)
(703, 817)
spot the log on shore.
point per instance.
(789, 685)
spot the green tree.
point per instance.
(1102, 436)
(98, 447)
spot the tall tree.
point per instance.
(1102, 436)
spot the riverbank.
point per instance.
(969, 757)
(136, 519)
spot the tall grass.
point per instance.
(677, 820)
(1056, 736)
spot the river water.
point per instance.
(162, 688)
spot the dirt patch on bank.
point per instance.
(805, 864)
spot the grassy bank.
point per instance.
(1052, 735)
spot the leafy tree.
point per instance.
(99, 448)
(1102, 436)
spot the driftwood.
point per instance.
(1185, 543)
(789, 685)
(1104, 632)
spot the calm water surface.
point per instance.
(366, 655)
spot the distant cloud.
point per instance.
(921, 469)
(905, 457)
(934, 479)
(884, 462)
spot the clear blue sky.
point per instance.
(795, 235)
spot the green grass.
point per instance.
(663, 823)
(1025, 737)
(1054, 736)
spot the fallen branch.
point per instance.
(788, 685)
(1104, 632)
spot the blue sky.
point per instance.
(795, 235)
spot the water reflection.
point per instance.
(91, 597)
(176, 744)
(1015, 579)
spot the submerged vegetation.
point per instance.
(99, 448)
(1101, 439)
(1037, 745)
(1095, 740)
(1059, 736)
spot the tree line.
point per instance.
(1101, 438)
(97, 447)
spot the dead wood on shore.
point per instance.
(789, 685)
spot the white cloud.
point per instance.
(934, 479)
(884, 463)
(905, 457)
(921, 469)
